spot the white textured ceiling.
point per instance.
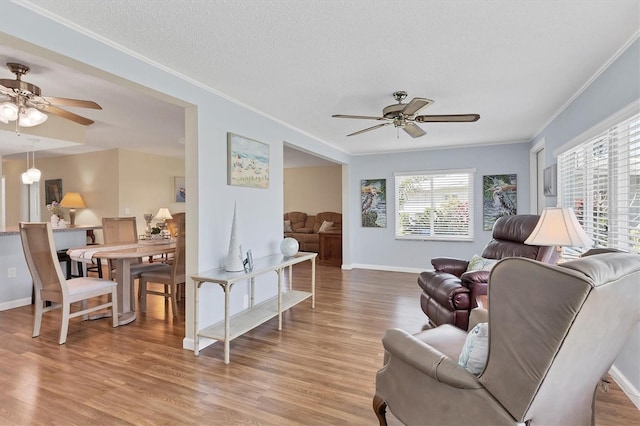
(514, 62)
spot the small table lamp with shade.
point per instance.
(72, 201)
(558, 226)
(163, 214)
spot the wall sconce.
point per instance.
(72, 201)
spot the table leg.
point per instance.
(126, 298)
(280, 298)
(313, 283)
(227, 291)
(196, 336)
(290, 277)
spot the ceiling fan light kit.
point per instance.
(403, 116)
(25, 106)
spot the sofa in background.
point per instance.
(306, 228)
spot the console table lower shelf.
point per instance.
(251, 318)
(240, 323)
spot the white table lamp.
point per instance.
(558, 226)
(72, 201)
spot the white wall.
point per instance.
(209, 117)
(617, 87)
(378, 248)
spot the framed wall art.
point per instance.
(179, 189)
(499, 198)
(52, 190)
(247, 162)
(373, 197)
(549, 181)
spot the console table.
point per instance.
(255, 315)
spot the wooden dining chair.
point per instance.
(50, 284)
(123, 230)
(169, 275)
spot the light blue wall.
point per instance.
(616, 88)
(378, 248)
(211, 201)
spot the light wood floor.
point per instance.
(320, 370)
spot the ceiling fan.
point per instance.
(23, 101)
(404, 116)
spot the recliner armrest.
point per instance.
(450, 265)
(427, 360)
(477, 282)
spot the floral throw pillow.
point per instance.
(479, 263)
(287, 226)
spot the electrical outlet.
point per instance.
(11, 273)
(245, 301)
(127, 210)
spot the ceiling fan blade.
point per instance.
(361, 117)
(413, 130)
(68, 115)
(72, 102)
(459, 118)
(416, 105)
(377, 126)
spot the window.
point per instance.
(600, 179)
(435, 205)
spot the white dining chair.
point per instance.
(50, 284)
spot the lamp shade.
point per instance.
(164, 214)
(558, 226)
(72, 200)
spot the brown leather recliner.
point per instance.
(449, 292)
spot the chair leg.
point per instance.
(66, 310)
(174, 303)
(142, 291)
(380, 408)
(37, 320)
(114, 306)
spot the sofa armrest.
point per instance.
(477, 282)
(477, 316)
(427, 360)
(450, 265)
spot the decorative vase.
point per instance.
(289, 247)
(234, 257)
(55, 221)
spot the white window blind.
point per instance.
(600, 179)
(435, 205)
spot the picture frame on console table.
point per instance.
(247, 162)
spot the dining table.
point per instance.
(124, 256)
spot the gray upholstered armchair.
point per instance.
(554, 332)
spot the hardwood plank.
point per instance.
(319, 370)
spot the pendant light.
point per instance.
(25, 176)
(34, 174)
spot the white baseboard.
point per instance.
(627, 387)
(15, 304)
(384, 268)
